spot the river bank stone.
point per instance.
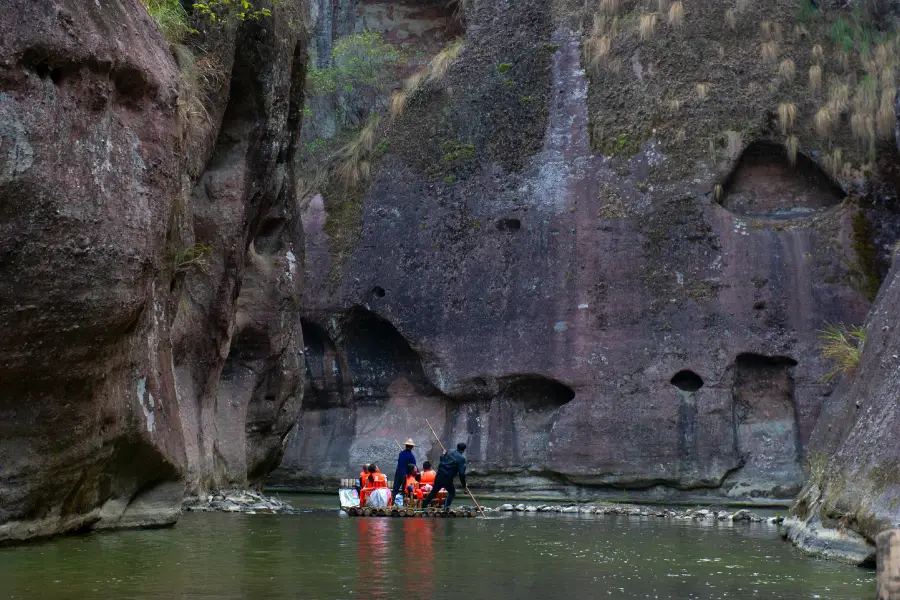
(241, 501)
(630, 510)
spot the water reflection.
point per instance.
(523, 557)
(374, 561)
(418, 557)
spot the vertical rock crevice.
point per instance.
(240, 341)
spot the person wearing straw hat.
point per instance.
(406, 457)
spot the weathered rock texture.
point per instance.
(589, 324)
(124, 371)
(854, 492)
(236, 337)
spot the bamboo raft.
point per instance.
(397, 511)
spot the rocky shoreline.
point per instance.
(239, 501)
(632, 510)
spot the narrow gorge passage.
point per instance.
(442, 298)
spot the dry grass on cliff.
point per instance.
(803, 48)
(440, 64)
(843, 346)
(195, 257)
(200, 77)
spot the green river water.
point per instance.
(323, 554)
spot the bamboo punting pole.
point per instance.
(471, 495)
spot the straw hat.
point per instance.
(409, 442)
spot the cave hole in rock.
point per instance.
(378, 291)
(424, 26)
(536, 391)
(381, 362)
(324, 375)
(687, 381)
(767, 431)
(511, 225)
(514, 427)
(268, 238)
(764, 184)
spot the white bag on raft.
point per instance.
(349, 497)
(379, 498)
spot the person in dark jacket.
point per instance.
(453, 463)
(406, 457)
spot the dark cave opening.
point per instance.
(536, 391)
(766, 425)
(268, 239)
(764, 183)
(510, 225)
(687, 381)
(378, 355)
(324, 376)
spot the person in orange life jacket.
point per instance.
(406, 457)
(375, 479)
(453, 463)
(426, 477)
(363, 475)
(411, 490)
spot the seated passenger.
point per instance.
(362, 477)
(411, 490)
(426, 477)
(377, 478)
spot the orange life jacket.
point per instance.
(379, 479)
(427, 477)
(411, 481)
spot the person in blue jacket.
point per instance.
(406, 457)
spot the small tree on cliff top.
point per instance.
(240, 9)
(172, 18)
(359, 73)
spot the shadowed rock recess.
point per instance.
(151, 262)
(597, 312)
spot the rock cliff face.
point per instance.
(853, 492)
(593, 315)
(127, 370)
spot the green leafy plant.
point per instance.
(171, 19)
(359, 72)
(242, 10)
(842, 34)
(455, 150)
(806, 11)
(503, 67)
(843, 345)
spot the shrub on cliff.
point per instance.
(359, 73)
(170, 17)
(843, 345)
(221, 9)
